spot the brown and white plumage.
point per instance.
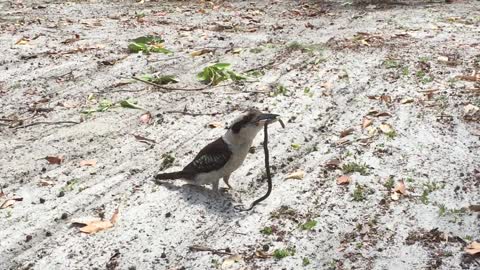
(220, 158)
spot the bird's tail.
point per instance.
(171, 176)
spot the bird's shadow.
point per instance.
(220, 204)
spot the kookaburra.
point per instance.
(222, 157)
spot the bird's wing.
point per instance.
(212, 157)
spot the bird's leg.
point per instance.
(225, 179)
(215, 185)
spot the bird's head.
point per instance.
(245, 127)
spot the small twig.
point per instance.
(48, 123)
(170, 88)
(194, 114)
(259, 67)
(214, 251)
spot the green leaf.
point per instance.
(221, 65)
(296, 146)
(267, 230)
(217, 73)
(309, 225)
(128, 103)
(148, 44)
(149, 39)
(282, 253)
(137, 47)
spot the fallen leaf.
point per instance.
(143, 139)
(261, 254)
(22, 41)
(114, 217)
(386, 128)
(385, 98)
(85, 220)
(343, 180)
(379, 114)
(395, 196)
(54, 160)
(407, 100)
(231, 260)
(45, 183)
(366, 122)
(473, 248)
(371, 131)
(346, 132)
(95, 225)
(400, 187)
(473, 207)
(442, 59)
(215, 125)
(7, 203)
(470, 110)
(90, 162)
(68, 104)
(299, 174)
(146, 118)
(332, 164)
(200, 52)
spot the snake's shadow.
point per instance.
(216, 203)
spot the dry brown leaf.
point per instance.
(386, 128)
(200, 52)
(407, 100)
(473, 248)
(299, 174)
(262, 254)
(382, 114)
(346, 132)
(473, 207)
(22, 41)
(114, 217)
(95, 225)
(371, 131)
(395, 196)
(54, 160)
(343, 180)
(366, 122)
(45, 183)
(68, 104)
(7, 203)
(215, 125)
(442, 59)
(146, 118)
(470, 110)
(400, 187)
(327, 85)
(143, 139)
(90, 162)
(332, 164)
(85, 220)
(231, 260)
(2, 194)
(385, 98)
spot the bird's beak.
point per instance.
(266, 118)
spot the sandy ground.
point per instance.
(323, 66)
